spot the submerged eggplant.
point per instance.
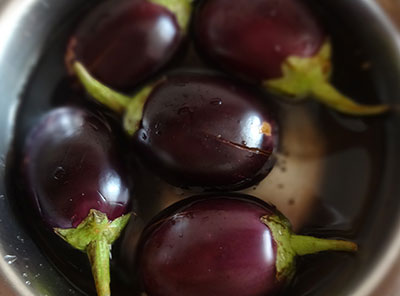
(77, 183)
(278, 44)
(223, 245)
(123, 42)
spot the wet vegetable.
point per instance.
(278, 44)
(223, 245)
(196, 129)
(78, 184)
(124, 42)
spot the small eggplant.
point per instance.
(123, 42)
(196, 130)
(226, 244)
(276, 43)
(78, 184)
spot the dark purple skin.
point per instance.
(253, 38)
(71, 165)
(211, 245)
(201, 130)
(124, 42)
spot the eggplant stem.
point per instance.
(290, 245)
(304, 245)
(103, 94)
(131, 106)
(328, 95)
(94, 236)
(134, 111)
(98, 252)
(304, 77)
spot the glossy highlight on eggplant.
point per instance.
(225, 244)
(196, 130)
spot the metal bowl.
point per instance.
(26, 26)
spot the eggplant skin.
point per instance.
(122, 43)
(210, 245)
(202, 130)
(253, 38)
(71, 164)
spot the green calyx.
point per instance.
(182, 9)
(131, 107)
(290, 245)
(94, 236)
(134, 111)
(309, 77)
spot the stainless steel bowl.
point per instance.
(25, 26)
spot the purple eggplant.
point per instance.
(196, 130)
(123, 42)
(225, 244)
(78, 184)
(276, 43)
